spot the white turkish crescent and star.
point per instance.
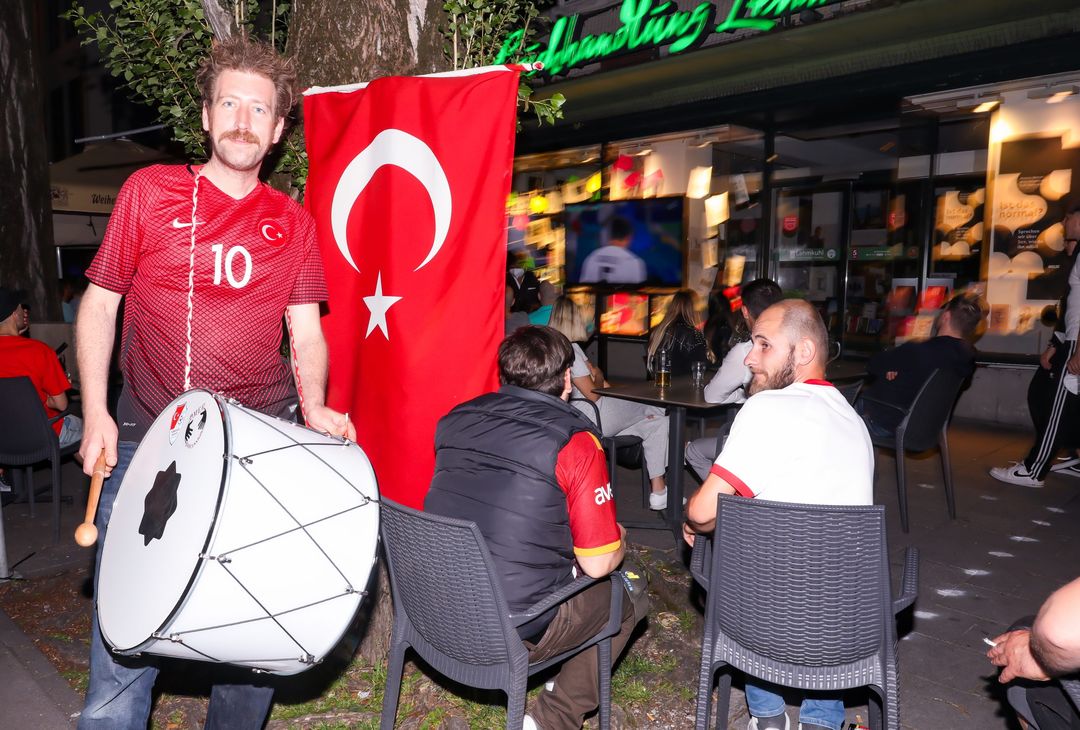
(398, 148)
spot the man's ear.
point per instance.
(805, 351)
(568, 387)
(205, 118)
(278, 128)
(745, 313)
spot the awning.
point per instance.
(90, 181)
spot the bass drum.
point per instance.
(237, 537)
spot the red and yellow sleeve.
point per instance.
(581, 471)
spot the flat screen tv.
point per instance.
(625, 242)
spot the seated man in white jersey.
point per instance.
(615, 263)
(827, 459)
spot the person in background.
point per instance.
(901, 372)
(529, 470)
(615, 263)
(1034, 652)
(1054, 395)
(617, 417)
(514, 319)
(680, 335)
(523, 282)
(548, 294)
(728, 386)
(37, 361)
(795, 440)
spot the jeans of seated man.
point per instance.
(763, 701)
(71, 431)
(119, 693)
(1043, 705)
(876, 430)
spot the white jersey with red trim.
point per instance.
(253, 258)
(803, 443)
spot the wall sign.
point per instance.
(644, 24)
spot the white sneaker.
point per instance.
(529, 724)
(753, 724)
(658, 500)
(1017, 474)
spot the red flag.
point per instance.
(408, 181)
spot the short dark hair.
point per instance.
(620, 229)
(254, 57)
(535, 358)
(759, 295)
(966, 311)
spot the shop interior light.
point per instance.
(642, 151)
(593, 184)
(538, 204)
(1053, 94)
(987, 104)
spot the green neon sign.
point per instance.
(645, 25)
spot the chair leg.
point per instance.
(56, 491)
(28, 483)
(901, 488)
(515, 700)
(704, 693)
(946, 468)
(394, 666)
(723, 698)
(604, 668)
(874, 709)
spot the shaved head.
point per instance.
(802, 321)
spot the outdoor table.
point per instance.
(678, 398)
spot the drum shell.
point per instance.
(274, 575)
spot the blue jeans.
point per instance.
(763, 702)
(119, 693)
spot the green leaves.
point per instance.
(478, 32)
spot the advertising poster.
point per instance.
(1032, 189)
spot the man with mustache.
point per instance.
(209, 260)
(795, 440)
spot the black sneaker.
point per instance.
(1067, 468)
(5, 485)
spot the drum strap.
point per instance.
(191, 281)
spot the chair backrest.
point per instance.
(442, 577)
(804, 585)
(25, 434)
(930, 411)
(851, 390)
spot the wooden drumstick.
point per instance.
(86, 533)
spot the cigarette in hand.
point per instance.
(989, 642)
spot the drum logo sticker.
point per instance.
(195, 427)
(174, 423)
(159, 504)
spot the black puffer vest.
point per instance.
(495, 462)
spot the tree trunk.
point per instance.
(26, 233)
(343, 43)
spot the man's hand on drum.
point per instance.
(327, 420)
(99, 432)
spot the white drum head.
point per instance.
(161, 520)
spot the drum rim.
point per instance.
(159, 634)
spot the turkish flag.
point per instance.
(408, 181)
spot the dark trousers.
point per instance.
(1054, 412)
(577, 686)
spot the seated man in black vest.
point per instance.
(530, 471)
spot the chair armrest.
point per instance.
(595, 409)
(1072, 688)
(909, 581)
(877, 401)
(553, 600)
(700, 558)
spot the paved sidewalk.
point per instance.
(33, 696)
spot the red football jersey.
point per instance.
(253, 258)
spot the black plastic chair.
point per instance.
(800, 596)
(850, 390)
(925, 424)
(450, 609)
(27, 438)
(626, 450)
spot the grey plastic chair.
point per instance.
(800, 596)
(450, 609)
(625, 450)
(851, 390)
(27, 438)
(925, 424)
